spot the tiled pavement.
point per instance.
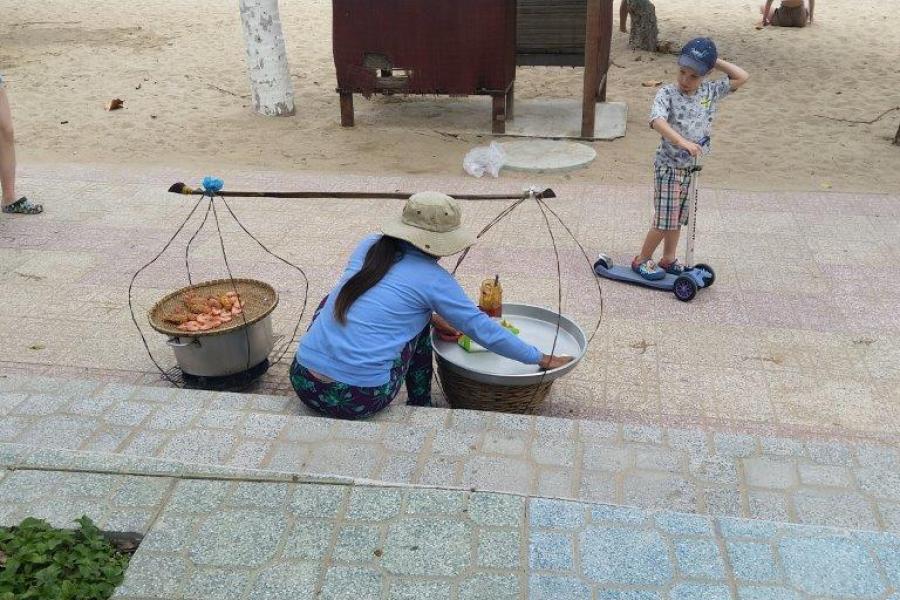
(800, 331)
(816, 480)
(209, 539)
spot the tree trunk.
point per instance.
(270, 79)
(644, 30)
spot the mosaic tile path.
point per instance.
(815, 480)
(224, 540)
(799, 332)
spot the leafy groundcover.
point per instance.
(39, 562)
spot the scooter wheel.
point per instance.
(685, 288)
(707, 281)
(604, 261)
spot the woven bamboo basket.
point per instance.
(467, 393)
(259, 300)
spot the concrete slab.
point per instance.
(547, 155)
(561, 118)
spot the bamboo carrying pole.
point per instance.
(181, 188)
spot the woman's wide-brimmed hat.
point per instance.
(432, 222)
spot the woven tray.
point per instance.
(467, 393)
(259, 300)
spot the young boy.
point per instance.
(682, 113)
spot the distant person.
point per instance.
(11, 204)
(644, 29)
(790, 13)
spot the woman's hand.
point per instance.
(444, 330)
(549, 362)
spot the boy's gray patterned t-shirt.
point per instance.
(691, 116)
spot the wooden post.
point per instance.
(897, 137)
(498, 113)
(593, 33)
(511, 102)
(346, 109)
(606, 27)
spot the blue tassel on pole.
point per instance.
(213, 184)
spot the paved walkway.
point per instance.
(814, 480)
(799, 332)
(211, 538)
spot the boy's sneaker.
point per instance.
(672, 268)
(647, 269)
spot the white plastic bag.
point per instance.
(485, 159)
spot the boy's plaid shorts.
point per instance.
(670, 197)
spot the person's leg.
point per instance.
(623, 16)
(651, 243)
(669, 261)
(7, 151)
(420, 369)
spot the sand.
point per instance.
(179, 66)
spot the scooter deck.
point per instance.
(624, 273)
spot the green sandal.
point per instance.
(23, 206)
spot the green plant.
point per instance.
(39, 562)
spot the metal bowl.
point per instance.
(538, 327)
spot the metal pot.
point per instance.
(225, 354)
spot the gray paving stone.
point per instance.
(890, 562)
(767, 593)
(428, 546)
(451, 442)
(837, 509)
(357, 460)
(317, 501)
(700, 591)
(770, 473)
(308, 540)
(127, 414)
(286, 457)
(443, 502)
(679, 523)
(549, 550)
(89, 407)
(199, 446)
(128, 520)
(555, 483)
(714, 469)
(826, 475)
(9, 400)
(153, 576)
(624, 556)
(439, 470)
(780, 446)
(721, 501)
(64, 511)
(404, 438)
(373, 504)
(90, 484)
(553, 587)
(830, 566)
(469, 420)
(142, 491)
(351, 583)
(357, 543)
(499, 587)
(499, 549)
(13, 427)
(658, 460)
(197, 496)
(252, 494)
(872, 455)
(37, 405)
(174, 416)
(734, 445)
(597, 486)
(735, 528)
(412, 589)
(700, 559)
(263, 426)
(225, 401)
(504, 442)
(559, 514)
(251, 454)
(642, 433)
(357, 430)
(890, 514)
(146, 443)
(28, 486)
(548, 428)
(399, 468)
(607, 458)
(170, 533)
(617, 514)
(879, 482)
(108, 441)
(753, 562)
(695, 443)
(554, 452)
(158, 395)
(219, 419)
(628, 595)
(830, 453)
(116, 391)
(68, 432)
(239, 538)
(496, 510)
(592, 431)
(307, 429)
(216, 584)
(512, 422)
(499, 474)
(768, 506)
(660, 491)
(285, 581)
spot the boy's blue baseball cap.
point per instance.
(699, 54)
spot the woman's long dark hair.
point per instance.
(379, 259)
